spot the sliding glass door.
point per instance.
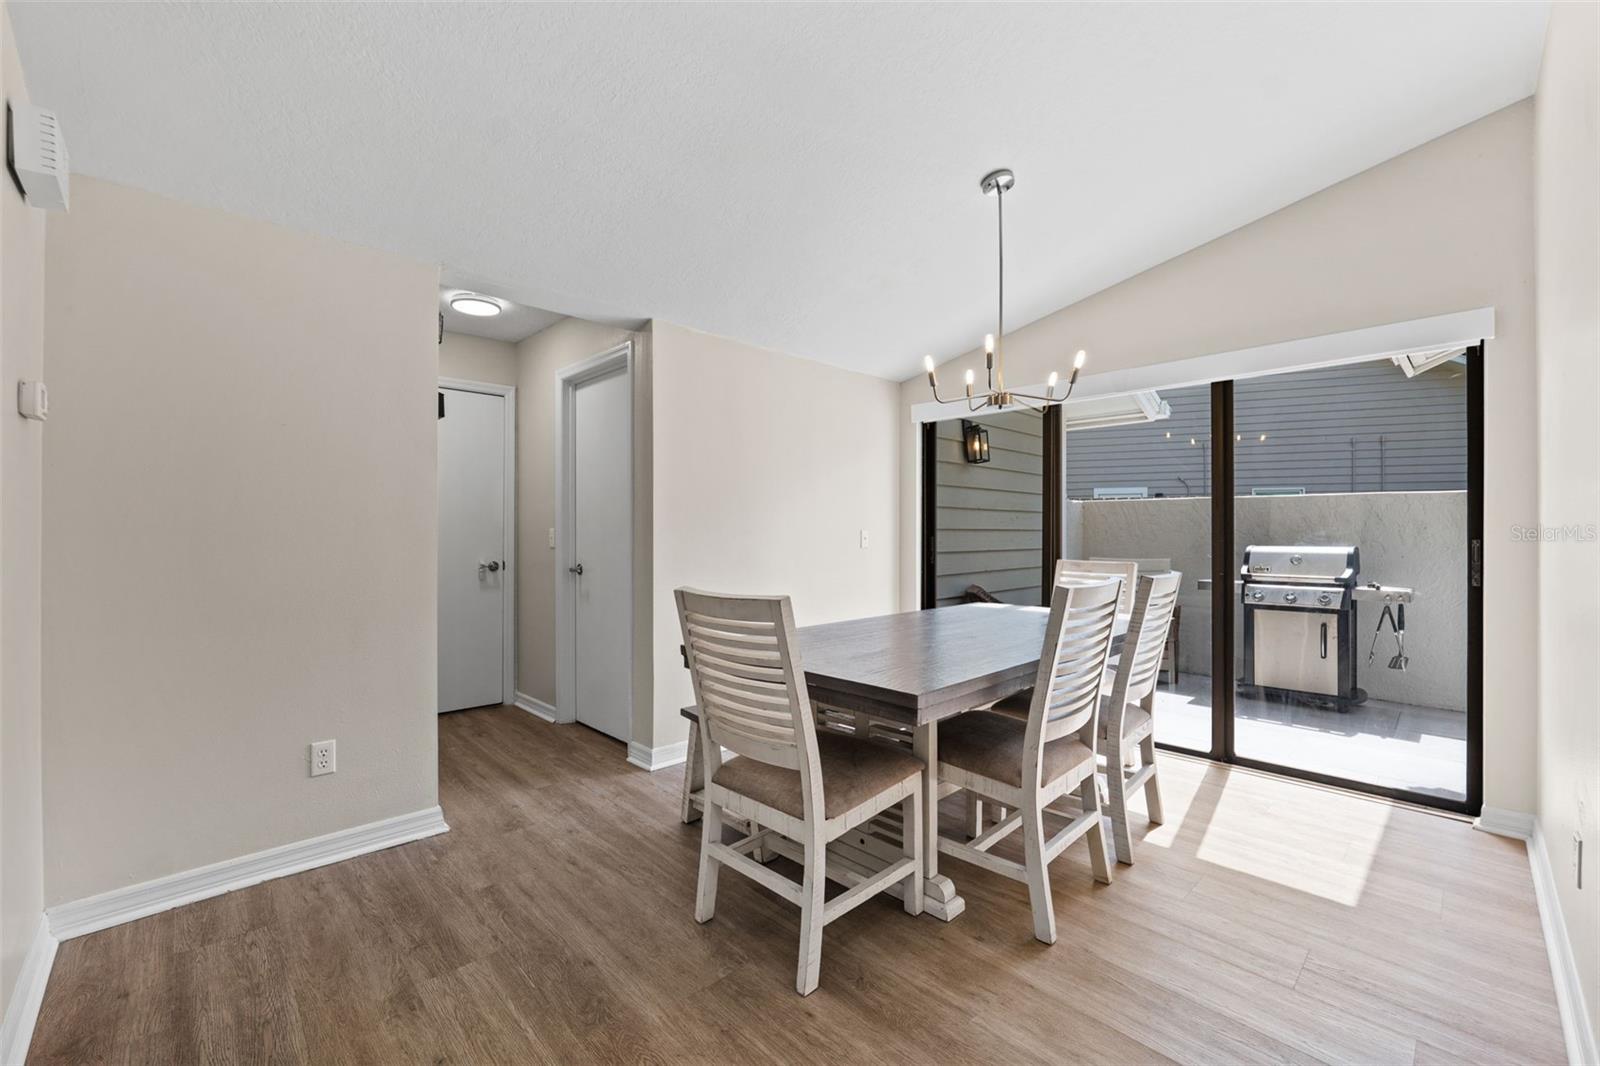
(1349, 499)
(1140, 491)
(1328, 524)
(985, 510)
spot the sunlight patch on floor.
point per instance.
(1239, 836)
(1178, 792)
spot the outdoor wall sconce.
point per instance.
(976, 442)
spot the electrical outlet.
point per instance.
(863, 538)
(324, 758)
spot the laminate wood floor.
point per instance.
(1267, 921)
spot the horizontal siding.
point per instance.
(1360, 428)
(968, 540)
(989, 517)
(964, 518)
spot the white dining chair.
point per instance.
(786, 777)
(1126, 569)
(1025, 765)
(1127, 717)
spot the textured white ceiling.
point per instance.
(802, 177)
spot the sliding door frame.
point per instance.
(930, 514)
(1222, 576)
(1224, 603)
(1051, 503)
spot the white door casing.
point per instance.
(476, 545)
(595, 608)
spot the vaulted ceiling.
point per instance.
(801, 177)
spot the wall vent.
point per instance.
(38, 156)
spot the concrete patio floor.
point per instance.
(1421, 749)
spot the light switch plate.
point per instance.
(33, 400)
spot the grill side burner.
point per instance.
(1300, 622)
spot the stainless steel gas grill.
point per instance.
(1300, 622)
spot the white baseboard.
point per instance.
(1503, 822)
(16, 1033)
(68, 920)
(653, 759)
(536, 707)
(1575, 1027)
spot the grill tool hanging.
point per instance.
(1396, 616)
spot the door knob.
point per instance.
(576, 569)
(491, 567)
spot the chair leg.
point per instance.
(705, 897)
(758, 853)
(974, 814)
(694, 770)
(1089, 797)
(911, 847)
(812, 885)
(1044, 912)
(1117, 800)
(1152, 787)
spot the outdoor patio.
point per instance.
(1397, 745)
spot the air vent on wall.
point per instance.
(38, 156)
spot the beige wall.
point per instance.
(1445, 227)
(767, 469)
(240, 537)
(22, 230)
(470, 358)
(539, 359)
(1568, 271)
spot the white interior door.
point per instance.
(603, 549)
(474, 581)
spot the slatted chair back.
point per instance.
(1126, 569)
(747, 679)
(1072, 664)
(1139, 666)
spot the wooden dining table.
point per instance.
(905, 673)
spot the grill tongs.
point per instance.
(1396, 616)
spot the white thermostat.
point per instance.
(38, 156)
(33, 400)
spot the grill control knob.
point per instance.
(1289, 597)
(1324, 599)
(1258, 595)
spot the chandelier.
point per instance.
(995, 183)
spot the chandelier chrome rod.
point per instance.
(999, 357)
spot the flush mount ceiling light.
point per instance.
(995, 183)
(470, 303)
